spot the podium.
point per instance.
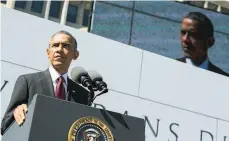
(50, 119)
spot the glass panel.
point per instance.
(20, 4)
(72, 13)
(37, 6)
(179, 10)
(55, 9)
(219, 52)
(212, 6)
(112, 22)
(156, 35)
(196, 3)
(86, 16)
(225, 10)
(128, 4)
(163, 37)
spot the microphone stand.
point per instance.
(94, 97)
(91, 95)
(92, 90)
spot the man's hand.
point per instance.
(19, 113)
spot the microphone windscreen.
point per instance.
(94, 75)
(77, 72)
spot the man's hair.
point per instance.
(205, 26)
(69, 34)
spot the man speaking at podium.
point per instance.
(53, 82)
(197, 36)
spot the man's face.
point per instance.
(61, 51)
(194, 45)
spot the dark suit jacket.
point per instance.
(39, 83)
(211, 67)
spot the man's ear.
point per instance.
(75, 55)
(211, 41)
(47, 52)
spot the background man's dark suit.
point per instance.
(211, 67)
(39, 83)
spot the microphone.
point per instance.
(80, 75)
(97, 81)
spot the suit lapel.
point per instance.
(211, 67)
(182, 60)
(46, 83)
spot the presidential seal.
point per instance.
(89, 129)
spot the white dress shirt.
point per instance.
(55, 75)
(204, 65)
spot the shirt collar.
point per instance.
(55, 75)
(204, 65)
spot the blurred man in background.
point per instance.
(197, 36)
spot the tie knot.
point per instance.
(60, 79)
